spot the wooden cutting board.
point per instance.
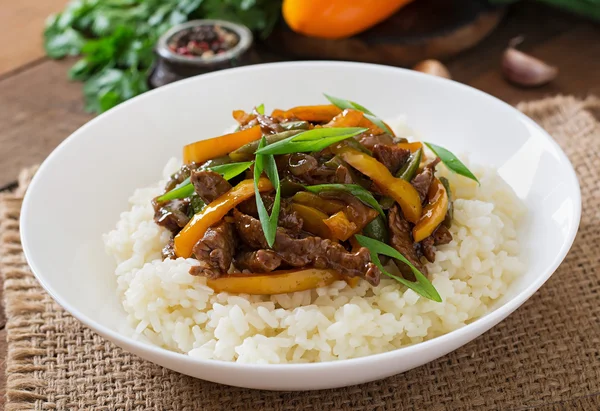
(421, 30)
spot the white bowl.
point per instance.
(83, 186)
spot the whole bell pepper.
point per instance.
(336, 19)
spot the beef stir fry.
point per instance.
(307, 196)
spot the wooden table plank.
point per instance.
(40, 108)
(577, 55)
(23, 21)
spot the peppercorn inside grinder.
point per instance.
(197, 47)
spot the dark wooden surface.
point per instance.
(40, 107)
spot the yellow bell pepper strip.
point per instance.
(401, 191)
(412, 147)
(336, 19)
(354, 118)
(307, 198)
(203, 150)
(313, 220)
(277, 282)
(315, 114)
(213, 213)
(340, 226)
(433, 213)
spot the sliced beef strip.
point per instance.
(181, 174)
(168, 251)
(268, 124)
(343, 175)
(393, 157)
(422, 181)
(259, 261)
(308, 251)
(428, 249)
(369, 140)
(215, 250)
(209, 185)
(288, 218)
(172, 214)
(401, 239)
(442, 235)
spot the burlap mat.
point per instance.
(545, 355)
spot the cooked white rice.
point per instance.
(178, 311)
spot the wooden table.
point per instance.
(40, 107)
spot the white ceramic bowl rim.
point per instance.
(440, 341)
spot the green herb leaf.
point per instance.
(183, 190)
(452, 162)
(261, 109)
(357, 191)
(228, 171)
(345, 104)
(422, 286)
(312, 140)
(267, 163)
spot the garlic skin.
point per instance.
(433, 67)
(524, 70)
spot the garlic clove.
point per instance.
(433, 67)
(525, 70)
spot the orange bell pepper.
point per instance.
(277, 113)
(277, 282)
(313, 220)
(412, 147)
(315, 114)
(204, 150)
(434, 212)
(335, 19)
(313, 200)
(401, 191)
(242, 117)
(340, 226)
(213, 213)
(354, 118)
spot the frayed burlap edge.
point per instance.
(23, 386)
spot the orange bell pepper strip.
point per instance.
(242, 117)
(277, 113)
(204, 150)
(315, 114)
(313, 200)
(354, 118)
(433, 213)
(401, 191)
(412, 147)
(313, 220)
(213, 213)
(340, 226)
(277, 282)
